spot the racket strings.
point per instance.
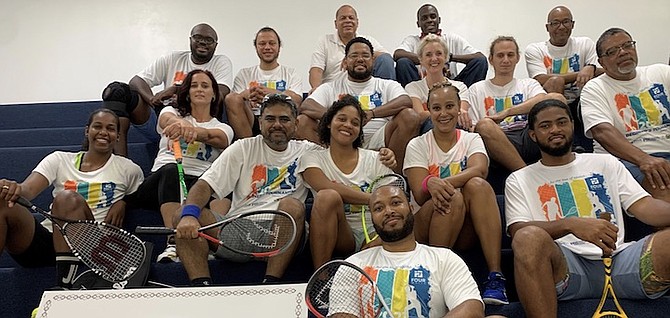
(259, 233)
(389, 180)
(337, 288)
(113, 252)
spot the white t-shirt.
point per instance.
(639, 108)
(457, 46)
(100, 188)
(367, 170)
(371, 94)
(585, 187)
(329, 54)
(281, 78)
(258, 176)
(197, 156)
(426, 282)
(173, 67)
(545, 58)
(487, 99)
(419, 89)
(423, 152)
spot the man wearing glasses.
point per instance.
(564, 64)
(627, 112)
(255, 82)
(390, 120)
(133, 102)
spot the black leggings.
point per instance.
(160, 187)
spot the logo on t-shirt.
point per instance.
(369, 102)
(580, 197)
(98, 195)
(196, 149)
(273, 180)
(278, 85)
(448, 169)
(494, 105)
(179, 77)
(647, 109)
(406, 291)
(562, 65)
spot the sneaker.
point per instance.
(168, 255)
(494, 290)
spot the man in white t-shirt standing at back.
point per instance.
(253, 83)
(460, 51)
(326, 63)
(627, 111)
(136, 103)
(563, 64)
(390, 120)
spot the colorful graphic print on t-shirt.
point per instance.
(579, 197)
(648, 109)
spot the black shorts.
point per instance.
(526, 147)
(41, 251)
(160, 187)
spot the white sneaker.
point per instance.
(168, 255)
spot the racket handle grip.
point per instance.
(22, 201)
(154, 230)
(176, 148)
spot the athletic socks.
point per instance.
(66, 269)
(201, 281)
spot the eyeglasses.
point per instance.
(566, 23)
(359, 56)
(202, 39)
(626, 46)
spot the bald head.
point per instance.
(346, 6)
(559, 25)
(558, 11)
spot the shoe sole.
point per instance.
(494, 301)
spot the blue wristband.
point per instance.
(190, 210)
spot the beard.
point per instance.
(557, 151)
(399, 234)
(361, 75)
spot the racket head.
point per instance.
(391, 179)
(260, 234)
(341, 287)
(109, 251)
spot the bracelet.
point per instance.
(190, 210)
(594, 67)
(373, 112)
(424, 183)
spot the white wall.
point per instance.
(68, 50)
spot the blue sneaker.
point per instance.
(494, 290)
